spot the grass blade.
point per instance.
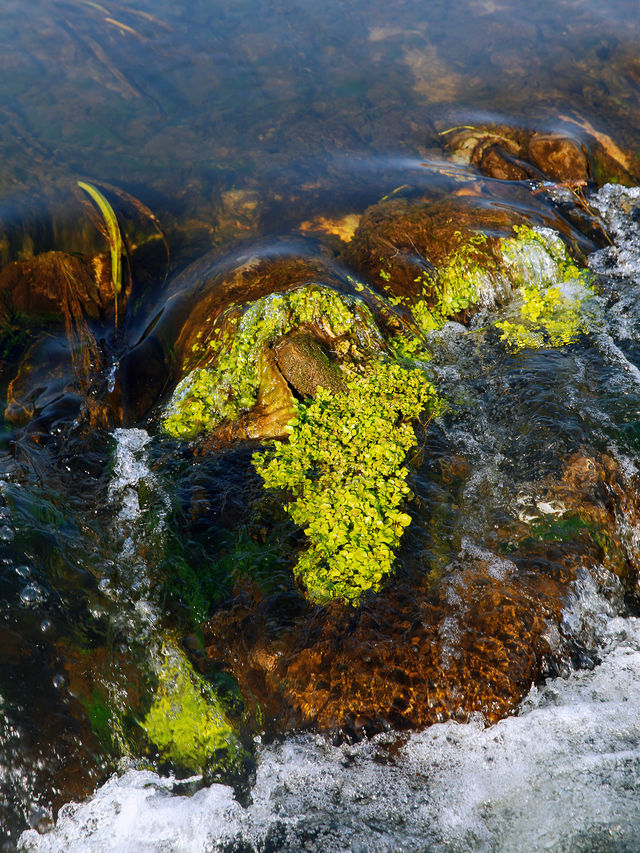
(113, 236)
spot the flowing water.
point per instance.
(254, 136)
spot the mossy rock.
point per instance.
(343, 467)
(554, 303)
(235, 372)
(197, 300)
(401, 244)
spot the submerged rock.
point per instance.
(559, 158)
(422, 652)
(55, 284)
(575, 158)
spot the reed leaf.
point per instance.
(113, 236)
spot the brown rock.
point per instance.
(426, 651)
(560, 158)
(45, 376)
(494, 162)
(306, 366)
(407, 658)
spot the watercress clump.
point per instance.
(343, 467)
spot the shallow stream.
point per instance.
(247, 147)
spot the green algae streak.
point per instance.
(186, 721)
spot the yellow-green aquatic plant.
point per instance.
(114, 238)
(230, 353)
(187, 721)
(553, 291)
(446, 291)
(343, 466)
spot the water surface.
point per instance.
(238, 124)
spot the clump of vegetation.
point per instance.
(443, 293)
(457, 285)
(343, 466)
(225, 380)
(187, 722)
(552, 291)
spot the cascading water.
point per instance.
(563, 773)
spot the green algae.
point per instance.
(553, 292)
(227, 382)
(442, 293)
(344, 468)
(187, 722)
(457, 284)
(203, 572)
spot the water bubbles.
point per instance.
(111, 379)
(58, 681)
(23, 571)
(32, 595)
(96, 612)
(6, 533)
(46, 625)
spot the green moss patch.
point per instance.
(344, 468)
(186, 721)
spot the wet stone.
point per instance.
(305, 365)
(419, 653)
(559, 158)
(515, 154)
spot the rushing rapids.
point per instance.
(516, 566)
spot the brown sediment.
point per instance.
(408, 658)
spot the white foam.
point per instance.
(130, 468)
(135, 812)
(617, 206)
